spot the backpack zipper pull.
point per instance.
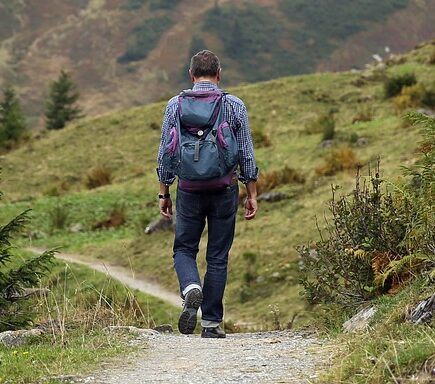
(196, 155)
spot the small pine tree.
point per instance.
(12, 121)
(15, 312)
(61, 105)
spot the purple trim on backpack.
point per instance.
(174, 140)
(207, 185)
(204, 96)
(220, 134)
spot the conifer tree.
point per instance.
(61, 104)
(15, 310)
(12, 121)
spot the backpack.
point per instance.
(201, 148)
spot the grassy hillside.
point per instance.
(140, 48)
(48, 175)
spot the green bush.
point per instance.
(58, 217)
(324, 123)
(377, 240)
(394, 85)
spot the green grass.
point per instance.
(127, 141)
(43, 359)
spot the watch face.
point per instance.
(200, 133)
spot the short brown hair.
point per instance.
(204, 64)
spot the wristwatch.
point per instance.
(165, 196)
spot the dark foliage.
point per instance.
(16, 275)
(61, 104)
(145, 38)
(394, 85)
(251, 36)
(12, 121)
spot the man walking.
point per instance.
(199, 199)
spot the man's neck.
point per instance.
(205, 79)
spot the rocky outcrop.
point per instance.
(360, 321)
(13, 339)
(161, 224)
(272, 196)
(423, 312)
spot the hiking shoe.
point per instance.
(187, 320)
(213, 333)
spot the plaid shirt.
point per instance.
(237, 117)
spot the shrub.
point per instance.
(154, 126)
(353, 139)
(325, 123)
(15, 312)
(249, 276)
(431, 60)
(260, 138)
(339, 159)
(58, 217)
(363, 114)
(98, 177)
(394, 85)
(414, 96)
(376, 240)
(117, 217)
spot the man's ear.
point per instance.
(191, 76)
(219, 74)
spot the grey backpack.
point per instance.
(201, 148)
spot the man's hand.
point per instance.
(166, 208)
(250, 208)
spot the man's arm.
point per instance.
(165, 177)
(248, 167)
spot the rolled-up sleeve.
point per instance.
(248, 166)
(164, 176)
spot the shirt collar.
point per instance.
(204, 86)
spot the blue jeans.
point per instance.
(219, 208)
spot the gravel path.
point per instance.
(266, 357)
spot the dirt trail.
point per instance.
(124, 275)
(267, 357)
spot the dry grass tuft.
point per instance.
(98, 177)
(339, 159)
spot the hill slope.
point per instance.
(48, 176)
(128, 52)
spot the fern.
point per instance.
(409, 264)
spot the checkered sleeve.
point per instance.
(248, 167)
(164, 176)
